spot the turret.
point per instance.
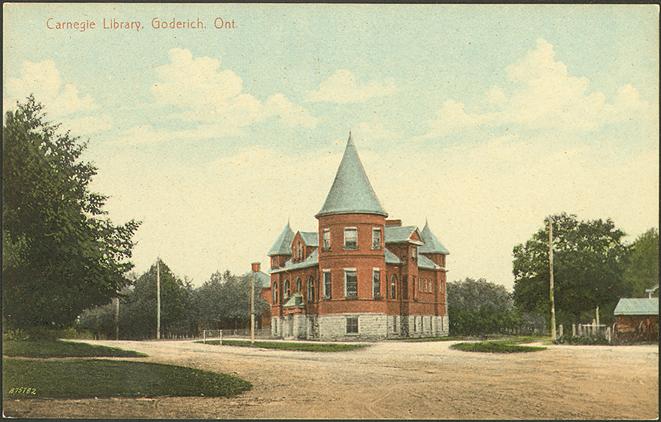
(280, 252)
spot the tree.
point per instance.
(589, 258)
(642, 269)
(61, 254)
(479, 307)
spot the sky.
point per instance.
(481, 119)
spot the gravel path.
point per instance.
(392, 380)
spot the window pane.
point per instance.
(327, 285)
(350, 238)
(376, 284)
(352, 283)
(376, 239)
(352, 325)
(326, 239)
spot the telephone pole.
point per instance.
(158, 298)
(255, 270)
(551, 297)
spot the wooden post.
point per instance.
(255, 270)
(551, 296)
(597, 314)
(608, 334)
(204, 336)
(573, 330)
(560, 331)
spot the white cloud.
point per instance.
(44, 81)
(543, 96)
(87, 125)
(343, 87)
(207, 94)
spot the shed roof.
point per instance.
(637, 306)
(296, 300)
(351, 192)
(282, 245)
(424, 262)
(391, 258)
(432, 244)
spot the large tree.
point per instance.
(589, 260)
(61, 254)
(479, 307)
(642, 270)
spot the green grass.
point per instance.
(57, 348)
(424, 339)
(503, 346)
(281, 345)
(105, 378)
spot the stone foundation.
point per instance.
(370, 326)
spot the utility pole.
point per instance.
(551, 297)
(117, 318)
(158, 298)
(255, 270)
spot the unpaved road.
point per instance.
(393, 380)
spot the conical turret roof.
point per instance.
(432, 244)
(282, 245)
(352, 192)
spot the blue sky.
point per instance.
(482, 118)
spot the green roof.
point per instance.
(263, 279)
(432, 244)
(391, 258)
(351, 192)
(637, 306)
(310, 261)
(424, 262)
(310, 238)
(295, 300)
(399, 234)
(282, 245)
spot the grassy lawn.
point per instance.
(503, 346)
(105, 378)
(57, 348)
(281, 345)
(423, 339)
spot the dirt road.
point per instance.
(393, 380)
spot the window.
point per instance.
(327, 240)
(352, 325)
(414, 253)
(285, 290)
(298, 285)
(376, 283)
(350, 283)
(415, 324)
(327, 284)
(393, 286)
(275, 293)
(310, 289)
(350, 238)
(376, 238)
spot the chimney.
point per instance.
(393, 223)
(255, 267)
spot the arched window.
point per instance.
(298, 285)
(275, 293)
(285, 290)
(393, 287)
(310, 289)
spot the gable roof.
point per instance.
(399, 234)
(637, 306)
(432, 244)
(282, 245)
(351, 192)
(310, 238)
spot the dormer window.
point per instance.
(376, 238)
(326, 240)
(350, 238)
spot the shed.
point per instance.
(637, 319)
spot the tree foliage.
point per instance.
(642, 269)
(479, 307)
(60, 252)
(589, 258)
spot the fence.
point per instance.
(593, 330)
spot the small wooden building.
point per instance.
(637, 319)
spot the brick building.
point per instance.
(360, 275)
